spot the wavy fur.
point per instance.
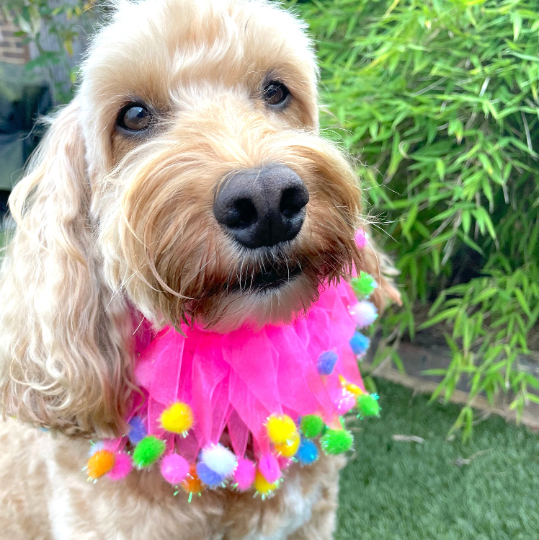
(112, 227)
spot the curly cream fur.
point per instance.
(111, 228)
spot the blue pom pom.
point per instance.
(307, 452)
(137, 431)
(326, 362)
(209, 477)
(359, 343)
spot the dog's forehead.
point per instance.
(155, 46)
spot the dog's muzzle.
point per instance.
(262, 207)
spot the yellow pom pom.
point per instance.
(100, 463)
(352, 388)
(281, 429)
(289, 448)
(262, 486)
(178, 418)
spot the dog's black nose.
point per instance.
(262, 207)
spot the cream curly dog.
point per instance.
(187, 171)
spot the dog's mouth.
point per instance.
(269, 279)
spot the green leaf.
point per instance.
(517, 24)
(522, 301)
(440, 168)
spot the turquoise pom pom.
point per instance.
(359, 343)
(307, 452)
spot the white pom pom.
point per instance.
(219, 459)
(96, 448)
(364, 313)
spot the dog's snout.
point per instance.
(262, 207)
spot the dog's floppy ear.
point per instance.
(63, 334)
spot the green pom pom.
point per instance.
(336, 441)
(368, 405)
(363, 285)
(148, 451)
(311, 426)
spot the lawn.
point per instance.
(404, 490)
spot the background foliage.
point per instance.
(63, 23)
(439, 98)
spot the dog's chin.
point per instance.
(268, 297)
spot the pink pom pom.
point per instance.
(363, 313)
(284, 462)
(174, 468)
(360, 238)
(123, 464)
(269, 468)
(244, 475)
(346, 402)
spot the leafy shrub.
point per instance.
(439, 98)
(65, 23)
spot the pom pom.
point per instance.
(363, 313)
(346, 402)
(284, 462)
(219, 460)
(178, 418)
(123, 465)
(174, 469)
(363, 285)
(262, 486)
(100, 463)
(192, 483)
(148, 451)
(311, 426)
(326, 362)
(350, 387)
(336, 441)
(210, 478)
(268, 466)
(289, 448)
(307, 452)
(137, 431)
(96, 447)
(245, 474)
(360, 238)
(368, 405)
(281, 429)
(359, 343)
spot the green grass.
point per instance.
(404, 490)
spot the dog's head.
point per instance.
(218, 200)
(187, 180)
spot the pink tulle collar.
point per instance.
(235, 409)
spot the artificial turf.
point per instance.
(404, 490)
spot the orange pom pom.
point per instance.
(100, 463)
(192, 483)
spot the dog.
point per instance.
(187, 180)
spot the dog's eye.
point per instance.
(134, 117)
(275, 93)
